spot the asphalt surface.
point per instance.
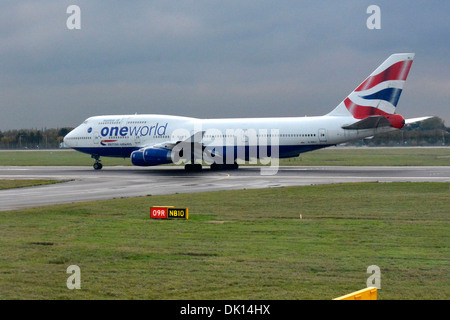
(115, 182)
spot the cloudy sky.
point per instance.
(211, 59)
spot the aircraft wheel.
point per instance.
(216, 166)
(193, 167)
(98, 166)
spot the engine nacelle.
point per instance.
(396, 120)
(151, 156)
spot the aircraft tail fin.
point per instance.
(378, 95)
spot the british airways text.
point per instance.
(156, 130)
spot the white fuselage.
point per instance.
(120, 135)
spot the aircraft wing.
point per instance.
(190, 149)
(170, 145)
(198, 151)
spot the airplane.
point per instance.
(152, 139)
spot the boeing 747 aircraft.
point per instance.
(151, 139)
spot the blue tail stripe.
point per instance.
(391, 95)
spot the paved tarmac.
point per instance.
(115, 182)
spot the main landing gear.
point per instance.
(97, 165)
(224, 166)
(196, 167)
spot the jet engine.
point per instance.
(151, 156)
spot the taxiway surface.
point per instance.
(115, 182)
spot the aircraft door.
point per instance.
(96, 138)
(323, 135)
(123, 138)
(123, 123)
(137, 140)
(244, 138)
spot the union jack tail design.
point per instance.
(378, 95)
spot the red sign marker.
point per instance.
(158, 212)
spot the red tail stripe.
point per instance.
(362, 112)
(398, 71)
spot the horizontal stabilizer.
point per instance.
(369, 123)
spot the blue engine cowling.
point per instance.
(151, 156)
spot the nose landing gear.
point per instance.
(97, 165)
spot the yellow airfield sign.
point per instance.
(178, 213)
(166, 212)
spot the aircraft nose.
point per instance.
(67, 139)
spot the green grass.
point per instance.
(54, 158)
(372, 157)
(10, 184)
(325, 157)
(227, 252)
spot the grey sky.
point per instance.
(212, 59)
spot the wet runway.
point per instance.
(115, 182)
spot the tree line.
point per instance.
(431, 132)
(33, 138)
